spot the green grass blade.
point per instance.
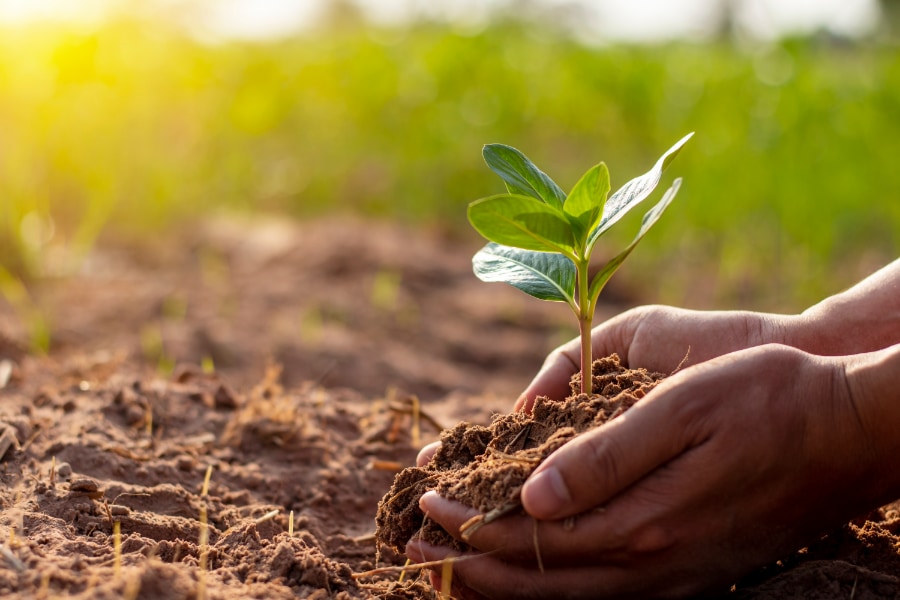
(544, 275)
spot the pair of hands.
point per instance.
(739, 458)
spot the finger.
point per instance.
(485, 575)
(420, 552)
(596, 466)
(626, 529)
(553, 379)
(427, 453)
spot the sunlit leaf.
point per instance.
(634, 192)
(585, 201)
(521, 175)
(544, 275)
(522, 222)
(649, 220)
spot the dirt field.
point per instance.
(203, 389)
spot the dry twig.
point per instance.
(467, 529)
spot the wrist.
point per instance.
(787, 330)
(842, 325)
(815, 332)
(873, 383)
(825, 330)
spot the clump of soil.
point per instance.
(486, 467)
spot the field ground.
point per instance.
(288, 358)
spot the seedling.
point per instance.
(541, 239)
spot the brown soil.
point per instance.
(326, 339)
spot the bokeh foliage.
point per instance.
(790, 183)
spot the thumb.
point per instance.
(596, 466)
(553, 378)
(551, 381)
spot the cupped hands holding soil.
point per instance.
(486, 467)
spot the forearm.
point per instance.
(861, 319)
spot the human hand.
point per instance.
(659, 338)
(723, 467)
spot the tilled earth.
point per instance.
(220, 413)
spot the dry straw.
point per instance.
(203, 542)
(117, 549)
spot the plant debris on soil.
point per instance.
(221, 412)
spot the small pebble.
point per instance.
(135, 414)
(6, 371)
(84, 484)
(225, 398)
(125, 395)
(7, 440)
(64, 470)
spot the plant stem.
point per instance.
(585, 319)
(586, 373)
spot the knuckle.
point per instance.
(649, 539)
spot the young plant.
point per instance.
(541, 239)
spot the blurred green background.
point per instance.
(136, 126)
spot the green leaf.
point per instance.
(522, 222)
(585, 201)
(521, 175)
(634, 192)
(649, 220)
(544, 275)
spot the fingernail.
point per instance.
(426, 498)
(415, 552)
(520, 402)
(419, 551)
(545, 494)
